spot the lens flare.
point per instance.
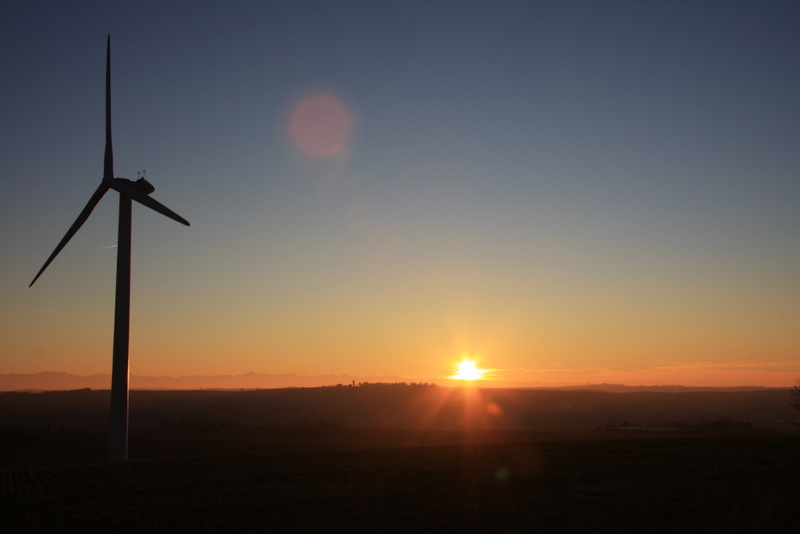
(493, 409)
(321, 125)
(502, 474)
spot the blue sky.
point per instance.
(598, 188)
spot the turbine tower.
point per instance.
(128, 190)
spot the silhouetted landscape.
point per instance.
(416, 456)
(401, 406)
(50, 381)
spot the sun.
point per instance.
(468, 371)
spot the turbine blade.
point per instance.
(98, 194)
(108, 162)
(143, 198)
(155, 205)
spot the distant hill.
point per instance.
(56, 381)
(620, 388)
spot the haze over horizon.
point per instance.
(59, 381)
(567, 192)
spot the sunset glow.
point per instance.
(513, 195)
(467, 370)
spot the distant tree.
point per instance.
(794, 400)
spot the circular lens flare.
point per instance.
(321, 125)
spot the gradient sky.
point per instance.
(569, 192)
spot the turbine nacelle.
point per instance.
(140, 184)
(139, 191)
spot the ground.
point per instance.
(669, 484)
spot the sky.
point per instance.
(565, 192)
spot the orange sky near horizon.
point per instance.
(567, 195)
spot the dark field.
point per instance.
(396, 406)
(687, 484)
(393, 459)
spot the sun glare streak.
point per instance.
(467, 370)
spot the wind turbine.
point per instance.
(128, 190)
